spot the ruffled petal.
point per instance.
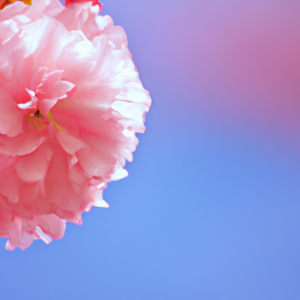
(24, 143)
(33, 167)
(10, 115)
(52, 89)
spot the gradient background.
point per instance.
(211, 207)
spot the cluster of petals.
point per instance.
(71, 102)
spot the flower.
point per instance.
(71, 102)
(94, 2)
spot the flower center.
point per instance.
(40, 123)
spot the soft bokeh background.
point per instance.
(211, 207)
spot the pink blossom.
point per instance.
(94, 2)
(70, 104)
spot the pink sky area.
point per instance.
(248, 59)
(242, 59)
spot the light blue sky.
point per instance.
(210, 210)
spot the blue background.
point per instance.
(210, 209)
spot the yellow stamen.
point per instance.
(37, 122)
(28, 2)
(52, 121)
(7, 2)
(38, 114)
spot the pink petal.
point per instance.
(52, 89)
(33, 167)
(10, 115)
(22, 144)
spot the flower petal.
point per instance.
(33, 167)
(10, 115)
